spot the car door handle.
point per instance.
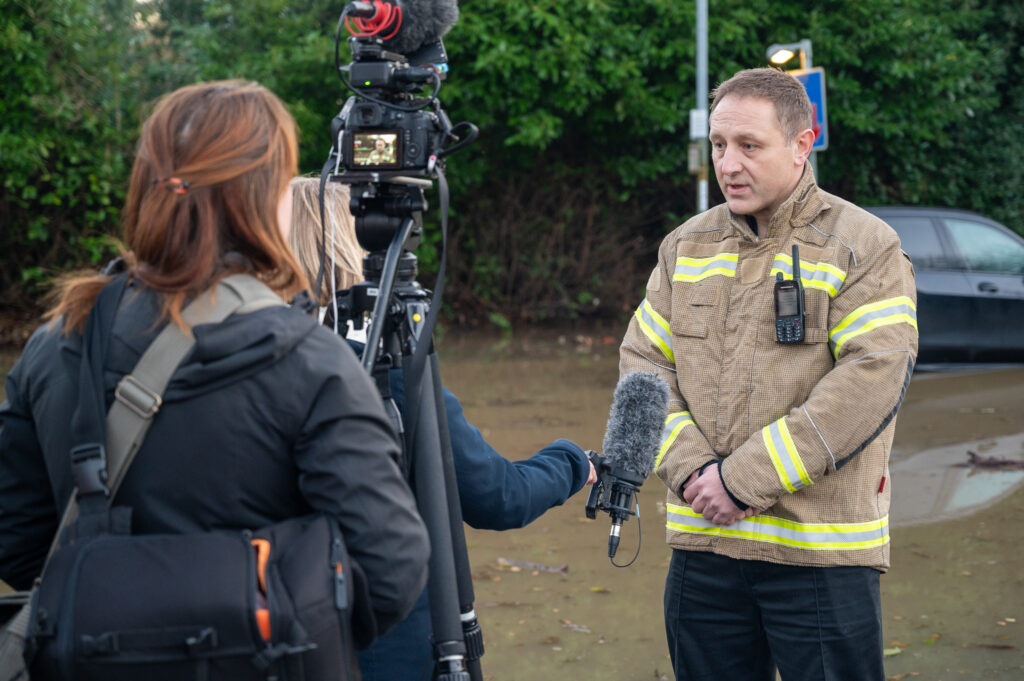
(988, 287)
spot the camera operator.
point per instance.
(495, 493)
(269, 417)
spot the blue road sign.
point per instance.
(814, 82)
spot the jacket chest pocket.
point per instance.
(816, 321)
(695, 310)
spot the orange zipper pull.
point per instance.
(262, 547)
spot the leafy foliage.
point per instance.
(582, 107)
(64, 141)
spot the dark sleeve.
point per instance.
(28, 514)
(346, 459)
(498, 494)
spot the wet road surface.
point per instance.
(953, 601)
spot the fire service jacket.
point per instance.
(801, 432)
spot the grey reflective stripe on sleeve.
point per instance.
(788, 464)
(674, 424)
(656, 329)
(772, 530)
(871, 316)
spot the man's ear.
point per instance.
(802, 145)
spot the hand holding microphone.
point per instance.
(631, 443)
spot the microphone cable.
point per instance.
(639, 541)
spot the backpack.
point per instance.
(270, 603)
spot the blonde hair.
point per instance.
(344, 255)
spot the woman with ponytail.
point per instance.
(268, 417)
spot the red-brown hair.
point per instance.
(234, 144)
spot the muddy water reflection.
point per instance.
(937, 484)
(953, 581)
(953, 602)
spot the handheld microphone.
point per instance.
(631, 442)
(405, 25)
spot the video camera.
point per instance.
(384, 129)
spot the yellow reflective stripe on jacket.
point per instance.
(674, 424)
(656, 329)
(786, 459)
(899, 310)
(818, 275)
(771, 530)
(695, 269)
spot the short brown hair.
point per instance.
(792, 106)
(212, 163)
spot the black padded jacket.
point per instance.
(270, 416)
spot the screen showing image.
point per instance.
(375, 149)
(786, 301)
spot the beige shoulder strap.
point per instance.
(139, 394)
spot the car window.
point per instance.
(920, 240)
(985, 248)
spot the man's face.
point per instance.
(756, 169)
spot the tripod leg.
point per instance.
(431, 493)
(472, 632)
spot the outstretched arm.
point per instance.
(498, 494)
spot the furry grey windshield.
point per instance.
(637, 417)
(423, 22)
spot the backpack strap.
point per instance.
(139, 395)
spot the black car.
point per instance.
(970, 283)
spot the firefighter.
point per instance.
(784, 396)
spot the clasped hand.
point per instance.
(706, 495)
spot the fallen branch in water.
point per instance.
(997, 463)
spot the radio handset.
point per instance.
(789, 305)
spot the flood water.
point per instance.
(953, 601)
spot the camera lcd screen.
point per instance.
(786, 302)
(378, 149)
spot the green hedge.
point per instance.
(583, 110)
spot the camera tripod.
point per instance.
(389, 216)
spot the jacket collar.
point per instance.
(803, 205)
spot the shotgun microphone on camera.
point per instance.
(631, 442)
(405, 25)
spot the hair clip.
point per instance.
(174, 184)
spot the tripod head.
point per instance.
(389, 224)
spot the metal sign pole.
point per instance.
(702, 104)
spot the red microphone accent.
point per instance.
(388, 15)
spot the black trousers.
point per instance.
(737, 620)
